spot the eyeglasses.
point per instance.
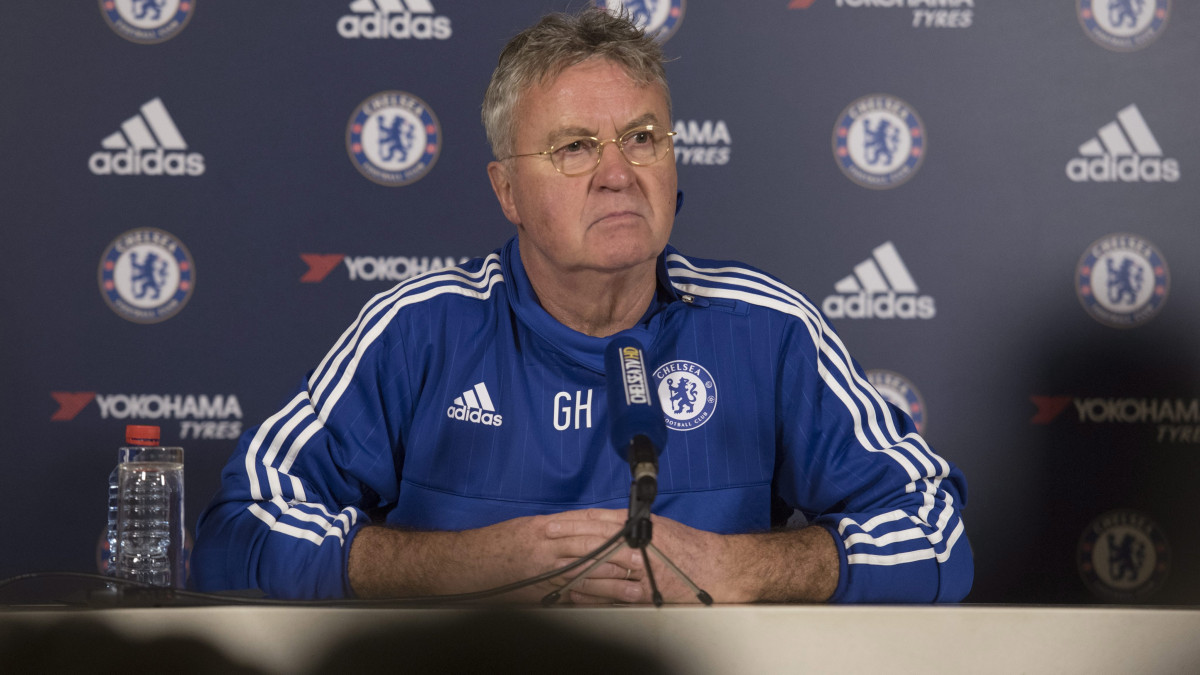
(579, 156)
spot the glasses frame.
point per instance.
(619, 142)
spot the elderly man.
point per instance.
(456, 437)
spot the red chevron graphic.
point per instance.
(319, 265)
(1049, 407)
(70, 403)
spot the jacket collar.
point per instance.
(583, 349)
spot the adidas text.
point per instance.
(156, 162)
(476, 415)
(888, 305)
(1123, 150)
(1128, 169)
(396, 26)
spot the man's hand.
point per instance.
(396, 563)
(696, 552)
(800, 565)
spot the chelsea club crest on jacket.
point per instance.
(454, 401)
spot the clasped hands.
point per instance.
(567, 536)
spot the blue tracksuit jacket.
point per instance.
(455, 401)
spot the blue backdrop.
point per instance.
(994, 201)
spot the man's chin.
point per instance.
(626, 243)
(625, 259)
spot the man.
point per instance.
(455, 439)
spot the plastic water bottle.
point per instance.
(147, 537)
(108, 543)
(106, 555)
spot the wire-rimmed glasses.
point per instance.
(578, 156)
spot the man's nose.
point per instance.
(614, 172)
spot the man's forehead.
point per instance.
(596, 91)
(571, 128)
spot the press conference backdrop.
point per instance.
(994, 201)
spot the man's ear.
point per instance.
(502, 186)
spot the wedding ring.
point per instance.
(628, 573)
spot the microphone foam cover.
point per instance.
(633, 406)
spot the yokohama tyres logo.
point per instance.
(373, 268)
(1173, 420)
(925, 13)
(146, 406)
(199, 415)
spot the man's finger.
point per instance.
(607, 570)
(607, 591)
(573, 527)
(577, 547)
(618, 516)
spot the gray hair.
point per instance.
(556, 43)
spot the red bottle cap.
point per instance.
(136, 434)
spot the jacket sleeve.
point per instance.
(856, 465)
(297, 489)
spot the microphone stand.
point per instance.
(638, 529)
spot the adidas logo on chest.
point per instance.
(475, 406)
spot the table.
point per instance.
(720, 639)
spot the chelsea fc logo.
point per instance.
(147, 21)
(687, 394)
(1123, 25)
(1122, 280)
(1123, 556)
(658, 18)
(393, 138)
(897, 390)
(879, 142)
(146, 275)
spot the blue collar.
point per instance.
(584, 349)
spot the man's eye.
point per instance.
(640, 138)
(575, 147)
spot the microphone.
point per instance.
(635, 418)
(638, 430)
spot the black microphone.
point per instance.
(639, 434)
(635, 418)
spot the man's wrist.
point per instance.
(386, 562)
(791, 566)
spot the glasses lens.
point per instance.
(643, 146)
(640, 146)
(577, 156)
